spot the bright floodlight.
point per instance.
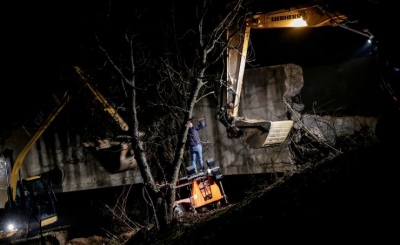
(298, 23)
(10, 227)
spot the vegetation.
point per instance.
(324, 200)
(160, 63)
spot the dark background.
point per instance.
(39, 38)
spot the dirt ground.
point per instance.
(349, 198)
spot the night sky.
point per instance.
(41, 37)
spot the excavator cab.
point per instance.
(32, 209)
(41, 199)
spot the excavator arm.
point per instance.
(259, 133)
(42, 125)
(23, 139)
(106, 106)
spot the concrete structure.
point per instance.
(270, 93)
(274, 93)
(264, 94)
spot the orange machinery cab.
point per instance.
(198, 189)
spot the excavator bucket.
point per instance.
(262, 133)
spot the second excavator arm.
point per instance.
(41, 123)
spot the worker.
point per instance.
(195, 147)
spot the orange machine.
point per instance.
(199, 190)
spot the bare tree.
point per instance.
(164, 81)
(187, 72)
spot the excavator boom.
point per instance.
(259, 133)
(41, 128)
(21, 142)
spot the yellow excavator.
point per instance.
(260, 133)
(30, 203)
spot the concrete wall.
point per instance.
(70, 166)
(265, 91)
(264, 94)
